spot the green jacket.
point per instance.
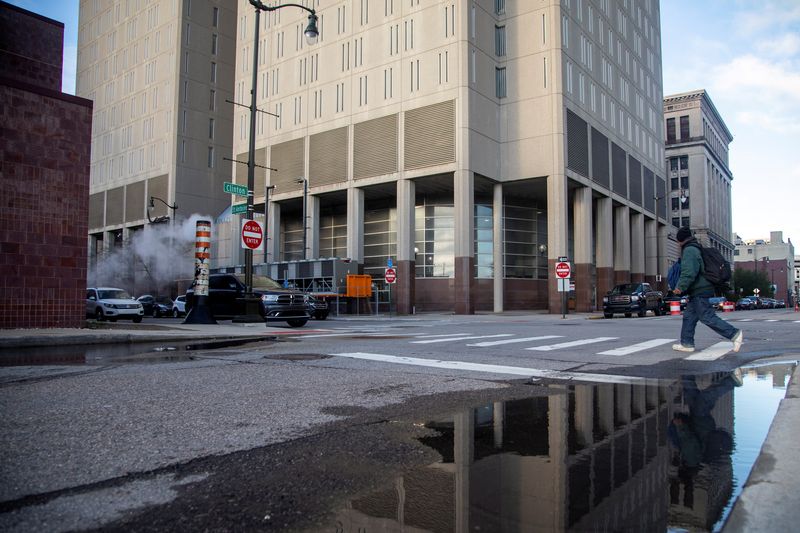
(692, 281)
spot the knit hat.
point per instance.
(683, 234)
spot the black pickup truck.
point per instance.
(629, 298)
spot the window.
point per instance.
(499, 7)
(500, 82)
(685, 204)
(684, 162)
(684, 182)
(674, 184)
(673, 162)
(215, 17)
(210, 157)
(500, 41)
(676, 221)
(211, 128)
(676, 203)
(213, 72)
(214, 40)
(671, 131)
(212, 100)
(685, 127)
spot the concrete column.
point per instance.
(497, 247)
(464, 235)
(313, 227)
(274, 233)
(604, 247)
(498, 419)
(557, 437)
(557, 234)
(622, 244)
(583, 269)
(623, 405)
(663, 254)
(584, 413)
(463, 454)
(406, 263)
(605, 408)
(355, 224)
(637, 247)
(639, 400)
(651, 251)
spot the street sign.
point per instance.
(756, 291)
(252, 235)
(390, 275)
(389, 262)
(563, 285)
(238, 209)
(563, 270)
(234, 188)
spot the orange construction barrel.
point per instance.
(675, 307)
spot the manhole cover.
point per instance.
(297, 356)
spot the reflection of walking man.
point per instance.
(699, 290)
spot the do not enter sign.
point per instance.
(390, 275)
(563, 270)
(252, 235)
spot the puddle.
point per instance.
(95, 354)
(671, 457)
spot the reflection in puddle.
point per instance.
(587, 457)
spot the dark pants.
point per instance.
(698, 309)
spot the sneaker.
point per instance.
(682, 348)
(737, 341)
(736, 376)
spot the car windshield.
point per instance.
(261, 282)
(628, 288)
(164, 300)
(114, 294)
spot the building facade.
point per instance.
(698, 172)
(472, 143)
(160, 74)
(774, 257)
(44, 174)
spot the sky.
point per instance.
(744, 53)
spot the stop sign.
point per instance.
(252, 235)
(562, 270)
(390, 275)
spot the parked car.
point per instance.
(669, 298)
(758, 303)
(717, 301)
(317, 307)
(629, 298)
(155, 306)
(111, 303)
(745, 303)
(179, 306)
(226, 297)
(781, 304)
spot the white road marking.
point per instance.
(625, 350)
(500, 369)
(511, 341)
(745, 320)
(772, 320)
(571, 344)
(430, 341)
(713, 352)
(440, 335)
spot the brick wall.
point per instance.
(31, 47)
(44, 175)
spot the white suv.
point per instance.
(110, 303)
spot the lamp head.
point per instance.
(311, 31)
(152, 203)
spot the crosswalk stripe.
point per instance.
(511, 341)
(430, 341)
(713, 352)
(500, 369)
(571, 344)
(440, 335)
(745, 320)
(625, 350)
(772, 320)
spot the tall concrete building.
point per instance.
(473, 143)
(774, 257)
(697, 167)
(159, 73)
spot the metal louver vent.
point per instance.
(134, 201)
(287, 158)
(648, 189)
(96, 209)
(635, 180)
(114, 206)
(158, 187)
(327, 161)
(577, 144)
(430, 135)
(619, 171)
(375, 147)
(600, 164)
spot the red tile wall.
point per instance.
(31, 47)
(44, 178)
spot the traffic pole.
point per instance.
(200, 313)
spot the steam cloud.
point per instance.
(151, 261)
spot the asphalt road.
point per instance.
(274, 435)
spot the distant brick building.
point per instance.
(45, 140)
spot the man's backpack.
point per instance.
(716, 269)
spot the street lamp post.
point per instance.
(267, 188)
(163, 218)
(311, 34)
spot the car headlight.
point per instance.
(634, 298)
(605, 299)
(269, 297)
(110, 306)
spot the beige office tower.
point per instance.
(471, 142)
(159, 73)
(697, 165)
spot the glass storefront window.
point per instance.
(291, 239)
(525, 229)
(434, 239)
(333, 235)
(484, 247)
(380, 240)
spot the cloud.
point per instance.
(766, 17)
(786, 45)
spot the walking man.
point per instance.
(699, 290)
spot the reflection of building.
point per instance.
(44, 176)
(774, 258)
(585, 457)
(698, 175)
(471, 142)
